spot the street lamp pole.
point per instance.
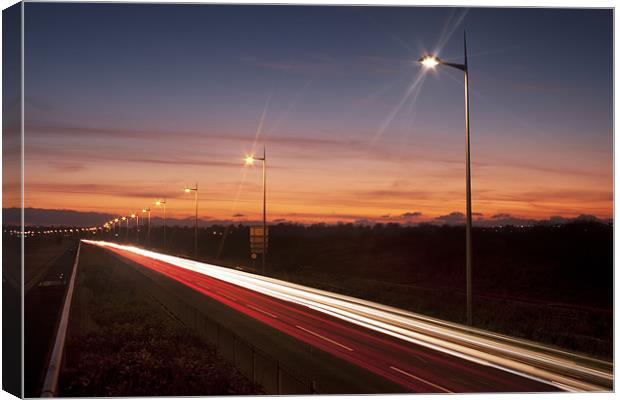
(430, 61)
(148, 230)
(137, 217)
(249, 160)
(163, 204)
(127, 231)
(195, 190)
(116, 221)
(264, 207)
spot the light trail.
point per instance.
(558, 368)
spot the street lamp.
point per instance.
(137, 217)
(431, 61)
(148, 231)
(127, 231)
(116, 221)
(162, 203)
(249, 160)
(195, 190)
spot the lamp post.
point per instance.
(249, 160)
(137, 217)
(431, 61)
(148, 230)
(116, 221)
(162, 203)
(195, 190)
(127, 225)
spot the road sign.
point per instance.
(256, 239)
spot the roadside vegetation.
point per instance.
(123, 343)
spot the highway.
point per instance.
(420, 354)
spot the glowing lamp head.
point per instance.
(187, 190)
(115, 219)
(144, 210)
(124, 218)
(429, 61)
(249, 160)
(133, 215)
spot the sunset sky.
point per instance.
(129, 103)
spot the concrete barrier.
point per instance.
(50, 383)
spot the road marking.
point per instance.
(324, 338)
(420, 379)
(263, 311)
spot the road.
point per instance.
(418, 353)
(42, 307)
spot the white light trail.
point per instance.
(560, 368)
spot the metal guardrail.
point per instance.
(50, 383)
(257, 365)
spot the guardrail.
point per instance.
(50, 383)
(258, 366)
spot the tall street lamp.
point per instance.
(162, 203)
(148, 229)
(195, 190)
(116, 221)
(249, 160)
(137, 217)
(431, 61)
(127, 231)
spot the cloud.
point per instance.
(501, 216)
(414, 214)
(238, 215)
(455, 217)
(67, 167)
(102, 189)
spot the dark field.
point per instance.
(124, 343)
(548, 283)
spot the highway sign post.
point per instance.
(256, 239)
(259, 239)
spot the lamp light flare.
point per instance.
(429, 61)
(249, 160)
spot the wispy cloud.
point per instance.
(66, 166)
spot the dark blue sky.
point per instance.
(541, 83)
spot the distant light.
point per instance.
(249, 160)
(187, 190)
(429, 61)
